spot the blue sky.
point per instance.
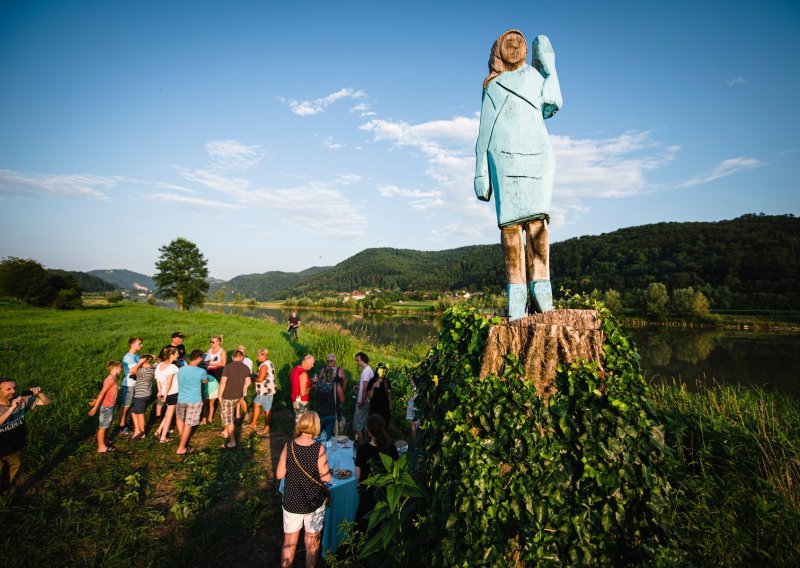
(279, 136)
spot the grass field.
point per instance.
(143, 504)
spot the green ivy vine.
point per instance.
(579, 479)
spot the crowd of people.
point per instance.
(180, 392)
(185, 389)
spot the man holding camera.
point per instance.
(12, 427)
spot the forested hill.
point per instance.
(471, 267)
(262, 286)
(87, 282)
(125, 279)
(749, 262)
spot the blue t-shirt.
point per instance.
(190, 384)
(128, 362)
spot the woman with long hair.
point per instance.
(303, 466)
(216, 358)
(167, 380)
(367, 458)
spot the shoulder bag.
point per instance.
(325, 490)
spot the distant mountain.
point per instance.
(262, 286)
(472, 267)
(751, 262)
(87, 282)
(126, 279)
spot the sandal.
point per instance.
(137, 437)
(108, 450)
(189, 450)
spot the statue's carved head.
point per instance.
(508, 53)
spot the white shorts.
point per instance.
(313, 522)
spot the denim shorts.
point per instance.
(105, 416)
(264, 401)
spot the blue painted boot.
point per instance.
(542, 296)
(517, 298)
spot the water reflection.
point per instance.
(734, 357)
(689, 355)
(379, 329)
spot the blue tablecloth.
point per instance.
(344, 498)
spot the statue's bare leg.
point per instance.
(514, 252)
(537, 256)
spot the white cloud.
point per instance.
(425, 202)
(171, 187)
(232, 186)
(722, 169)
(298, 205)
(231, 155)
(736, 82)
(85, 186)
(363, 110)
(196, 202)
(607, 168)
(317, 106)
(347, 179)
(330, 144)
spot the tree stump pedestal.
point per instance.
(541, 342)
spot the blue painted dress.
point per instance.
(514, 158)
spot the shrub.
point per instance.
(514, 479)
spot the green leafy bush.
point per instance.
(514, 479)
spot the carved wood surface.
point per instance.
(541, 342)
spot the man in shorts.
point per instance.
(190, 399)
(231, 387)
(130, 365)
(362, 400)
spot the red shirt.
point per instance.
(294, 380)
(110, 398)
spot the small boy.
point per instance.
(105, 401)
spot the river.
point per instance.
(688, 355)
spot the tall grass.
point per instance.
(738, 473)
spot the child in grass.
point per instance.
(141, 394)
(105, 401)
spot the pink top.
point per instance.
(110, 397)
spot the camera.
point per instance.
(26, 392)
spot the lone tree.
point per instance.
(181, 273)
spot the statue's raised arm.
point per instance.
(514, 160)
(544, 60)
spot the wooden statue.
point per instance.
(514, 160)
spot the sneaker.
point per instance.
(125, 431)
